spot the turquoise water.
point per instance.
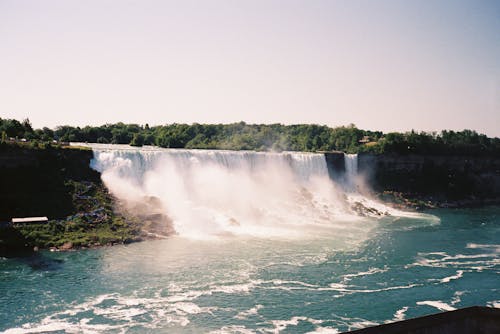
(402, 268)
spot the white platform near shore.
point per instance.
(28, 220)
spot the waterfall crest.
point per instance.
(135, 163)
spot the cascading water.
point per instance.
(135, 163)
(207, 193)
(213, 192)
(351, 171)
(366, 205)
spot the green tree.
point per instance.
(137, 140)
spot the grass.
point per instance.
(95, 223)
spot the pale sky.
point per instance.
(382, 65)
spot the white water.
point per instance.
(351, 171)
(208, 193)
(352, 183)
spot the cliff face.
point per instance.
(443, 177)
(336, 164)
(34, 182)
(57, 183)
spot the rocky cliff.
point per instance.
(34, 181)
(57, 183)
(434, 177)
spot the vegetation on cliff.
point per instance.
(57, 183)
(278, 137)
(93, 223)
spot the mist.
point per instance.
(213, 193)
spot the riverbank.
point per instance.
(418, 202)
(57, 182)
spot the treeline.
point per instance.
(467, 142)
(261, 137)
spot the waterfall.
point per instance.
(351, 171)
(134, 163)
(207, 193)
(215, 192)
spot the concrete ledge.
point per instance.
(475, 319)
(30, 220)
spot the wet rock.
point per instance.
(233, 222)
(66, 246)
(361, 210)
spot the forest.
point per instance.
(259, 137)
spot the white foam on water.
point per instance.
(345, 289)
(324, 330)
(119, 313)
(400, 314)
(303, 260)
(190, 308)
(464, 262)
(460, 274)
(457, 297)
(389, 211)
(244, 288)
(440, 305)
(493, 303)
(233, 329)
(49, 325)
(299, 283)
(342, 288)
(250, 312)
(280, 325)
(362, 324)
(339, 287)
(491, 247)
(370, 271)
(162, 312)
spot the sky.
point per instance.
(381, 65)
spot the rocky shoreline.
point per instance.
(420, 202)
